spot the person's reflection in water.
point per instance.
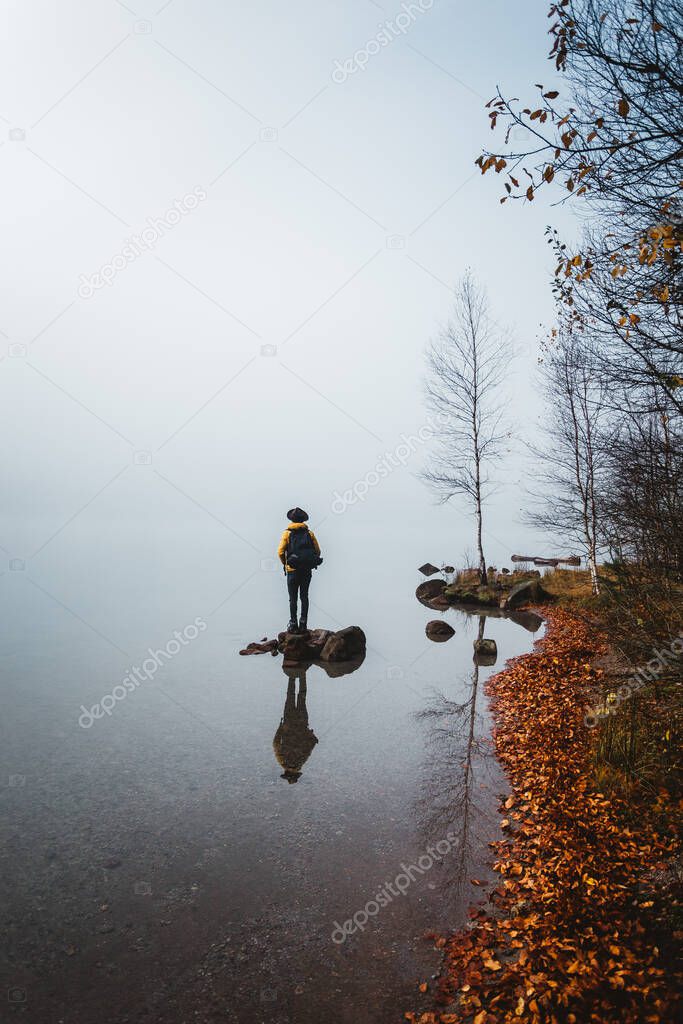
(294, 740)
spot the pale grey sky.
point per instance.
(267, 347)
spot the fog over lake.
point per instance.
(222, 264)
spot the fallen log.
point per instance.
(537, 560)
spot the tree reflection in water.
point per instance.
(455, 795)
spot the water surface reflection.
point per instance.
(461, 776)
(163, 847)
(294, 741)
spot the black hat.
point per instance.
(297, 515)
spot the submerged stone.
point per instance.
(439, 630)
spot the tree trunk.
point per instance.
(483, 578)
(592, 565)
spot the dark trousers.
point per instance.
(298, 583)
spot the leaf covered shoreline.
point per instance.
(580, 927)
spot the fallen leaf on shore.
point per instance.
(575, 919)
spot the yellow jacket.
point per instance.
(284, 539)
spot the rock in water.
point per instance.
(439, 630)
(428, 569)
(344, 645)
(485, 652)
(317, 638)
(296, 650)
(431, 594)
(267, 647)
(301, 649)
(487, 647)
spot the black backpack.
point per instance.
(301, 553)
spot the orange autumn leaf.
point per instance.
(566, 924)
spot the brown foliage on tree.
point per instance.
(611, 134)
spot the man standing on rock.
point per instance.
(299, 552)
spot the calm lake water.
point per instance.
(155, 866)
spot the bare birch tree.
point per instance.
(571, 463)
(466, 368)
